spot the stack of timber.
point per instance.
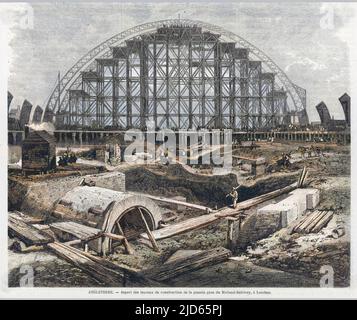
(314, 222)
(103, 271)
(26, 232)
(302, 177)
(179, 266)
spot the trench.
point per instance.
(206, 190)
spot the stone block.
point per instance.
(313, 199)
(246, 167)
(258, 166)
(287, 212)
(310, 196)
(179, 207)
(255, 227)
(296, 198)
(260, 160)
(274, 216)
(258, 169)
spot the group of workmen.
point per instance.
(67, 158)
(310, 150)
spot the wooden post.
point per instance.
(230, 242)
(148, 232)
(128, 248)
(100, 245)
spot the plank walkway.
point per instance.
(205, 220)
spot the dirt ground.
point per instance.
(277, 261)
(306, 254)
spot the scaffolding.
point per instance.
(177, 77)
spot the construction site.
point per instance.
(86, 209)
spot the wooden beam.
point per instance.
(313, 221)
(122, 239)
(309, 220)
(230, 221)
(323, 222)
(172, 201)
(148, 232)
(114, 236)
(226, 212)
(244, 158)
(182, 227)
(34, 248)
(73, 242)
(302, 177)
(96, 211)
(128, 248)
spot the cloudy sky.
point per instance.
(310, 41)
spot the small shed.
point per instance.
(39, 152)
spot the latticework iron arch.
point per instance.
(176, 74)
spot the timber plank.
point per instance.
(172, 201)
(304, 219)
(308, 219)
(25, 218)
(185, 226)
(314, 221)
(323, 222)
(27, 233)
(77, 230)
(226, 212)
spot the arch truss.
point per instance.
(177, 74)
